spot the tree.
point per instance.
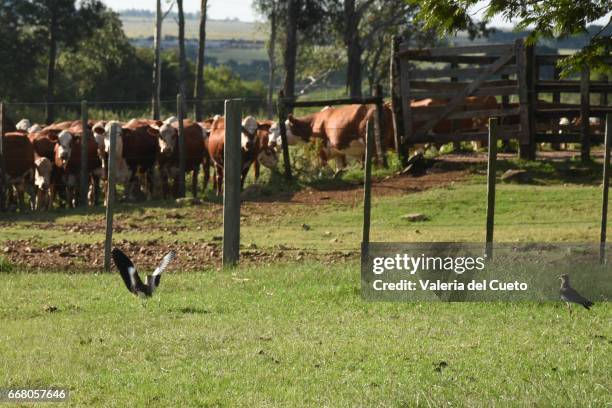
(182, 88)
(291, 44)
(60, 23)
(157, 65)
(198, 93)
(361, 24)
(270, 9)
(549, 19)
(16, 51)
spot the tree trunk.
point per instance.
(199, 82)
(155, 100)
(354, 49)
(291, 48)
(272, 62)
(49, 107)
(182, 59)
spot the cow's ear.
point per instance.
(290, 117)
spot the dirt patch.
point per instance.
(146, 255)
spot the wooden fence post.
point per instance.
(585, 141)
(84, 156)
(603, 97)
(181, 145)
(491, 169)
(367, 184)
(524, 73)
(2, 165)
(606, 183)
(379, 132)
(282, 117)
(396, 102)
(231, 183)
(453, 79)
(556, 99)
(110, 200)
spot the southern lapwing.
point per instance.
(130, 276)
(569, 295)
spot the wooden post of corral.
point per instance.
(603, 97)
(491, 169)
(84, 165)
(367, 184)
(585, 138)
(396, 101)
(181, 145)
(232, 158)
(282, 117)
(456, 145)
(2, 165)
(606, 184)
(525, 80)
(556, 99)
(381, 156)
(110, 201)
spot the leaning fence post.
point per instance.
(491, 169)
(110, 199)
(232, 158)
(606, 184)
(181, 145)
(84, 164)
(282, 117)
(367, 183)
(2, 168)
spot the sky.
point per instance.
(243, 9)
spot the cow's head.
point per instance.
(296, 131)
(113, 124)
(167, 138)
(23, 125)
(42, 173)
(64, 145)
(249, 133)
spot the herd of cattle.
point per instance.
(45, 161)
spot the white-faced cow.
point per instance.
(168, 157)
(250, 152)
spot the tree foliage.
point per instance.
(546, 19)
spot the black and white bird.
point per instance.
(128, 272)
(569, 294)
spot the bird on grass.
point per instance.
(132, 281)
(569, 295)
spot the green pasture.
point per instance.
(298, 333)
(135, 27)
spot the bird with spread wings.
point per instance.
(132, 281)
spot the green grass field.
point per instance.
(135, 27)
(295, 332)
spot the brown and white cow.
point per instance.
(136, 154)
(68, 161)
(19, 166)
(168, 157)
(45, 174)
(249, 148)
(342, 131)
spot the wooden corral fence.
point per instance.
(548, 114)
(287, 105)
(503, 71)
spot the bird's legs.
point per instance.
(569, 307)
